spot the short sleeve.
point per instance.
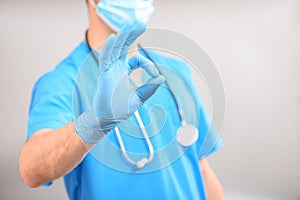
(51, 101)
(209, 140)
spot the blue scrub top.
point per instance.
(62, 94)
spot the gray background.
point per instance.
(254, 44)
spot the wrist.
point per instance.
(89, 129)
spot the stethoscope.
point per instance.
(186, 135)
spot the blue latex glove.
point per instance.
(116, 98)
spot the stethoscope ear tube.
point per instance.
(187, 134)
(166, 82)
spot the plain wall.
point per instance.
(254, 44)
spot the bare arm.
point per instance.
(213, 187)
(50, 154)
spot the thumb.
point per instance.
(145, 91)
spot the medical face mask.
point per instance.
(116, 13)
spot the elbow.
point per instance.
(30, 183)
(26, 172)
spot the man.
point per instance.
(61, 144)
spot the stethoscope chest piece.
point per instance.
(187, 134)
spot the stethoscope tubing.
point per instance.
(141, 163)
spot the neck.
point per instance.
(97, 34)
(99, 31)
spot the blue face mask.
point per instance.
(116, 13)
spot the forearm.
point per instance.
(214, 190)
(48, 155)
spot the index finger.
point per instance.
(138, 30)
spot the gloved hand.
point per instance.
(116, 98)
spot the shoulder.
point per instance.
(51, 99)
(58, 84)
(64, 74)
